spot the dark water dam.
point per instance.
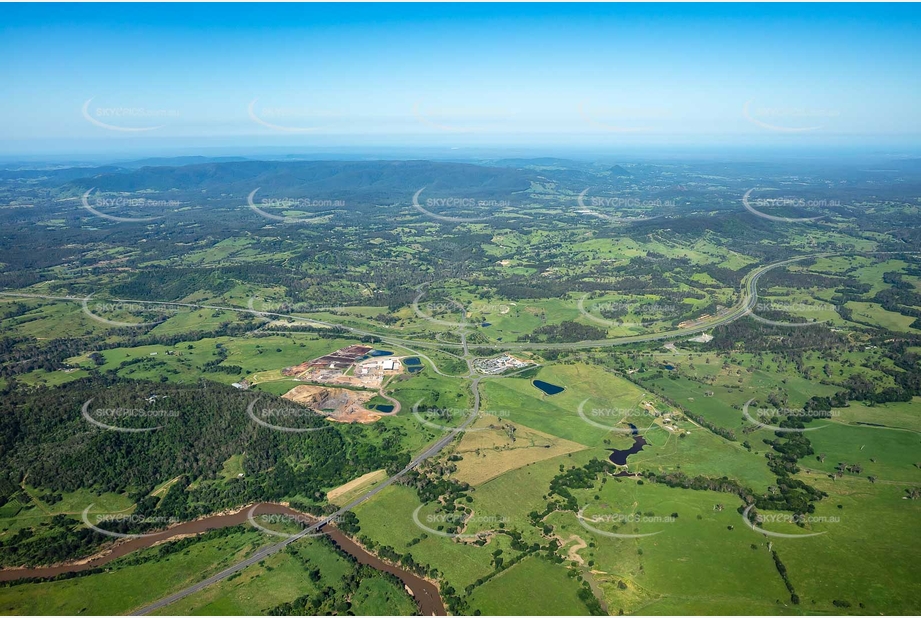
(619, 457)
(547, 388)
(413, 364)
(424, 592)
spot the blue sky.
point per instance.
(189, 76)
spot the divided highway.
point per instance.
(743, 307)
(271, 549)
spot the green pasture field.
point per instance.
(523, 317)
(282, 578)
(49, 319)
(533, 587)
(185, 320)
(889, 454)
(14, 515)
(515, 494)
(632, 323)
(387, 519)
(695, 557)
(40, 377)
(872, 273)
(730, 389)
(868, 556)
(897, 415)
(873, 313)
(233, 467)
(377, 596)
(254, 355)
(128, 587)
(558, 414)
(433, 390)
(702, 453)
(260, 587)
(808, 307)
(237, 249)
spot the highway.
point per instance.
(745, 305)
(434, 449)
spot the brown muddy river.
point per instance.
(424, 592)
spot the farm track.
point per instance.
(745, 305)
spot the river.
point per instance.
(424, 592)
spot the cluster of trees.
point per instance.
(20, 355)
(785, 497)
(905, 373)
(329, 600)
(794, 598)
(62, 538)
(432, 487)
(788, 447)
(701, 483)
(215, 366)
(575, 478)
(588, 597)
(564, 332)
(788, 342)
(44, 437)
(850, 291)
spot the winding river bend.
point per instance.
(424, 592)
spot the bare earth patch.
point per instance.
(361, 481)
(337, 404)
(501, 446)
(573, 552)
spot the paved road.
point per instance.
(271, 549)
(743, 307)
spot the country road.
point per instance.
(745, 305)
(740, 309)
(271, 549)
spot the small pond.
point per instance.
(619, 457)
(546, 387)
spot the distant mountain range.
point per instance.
(313, 178)
(177, 161)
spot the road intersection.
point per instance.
(743, 307)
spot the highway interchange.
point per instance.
(743, 307)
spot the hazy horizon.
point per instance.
(137, 80)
